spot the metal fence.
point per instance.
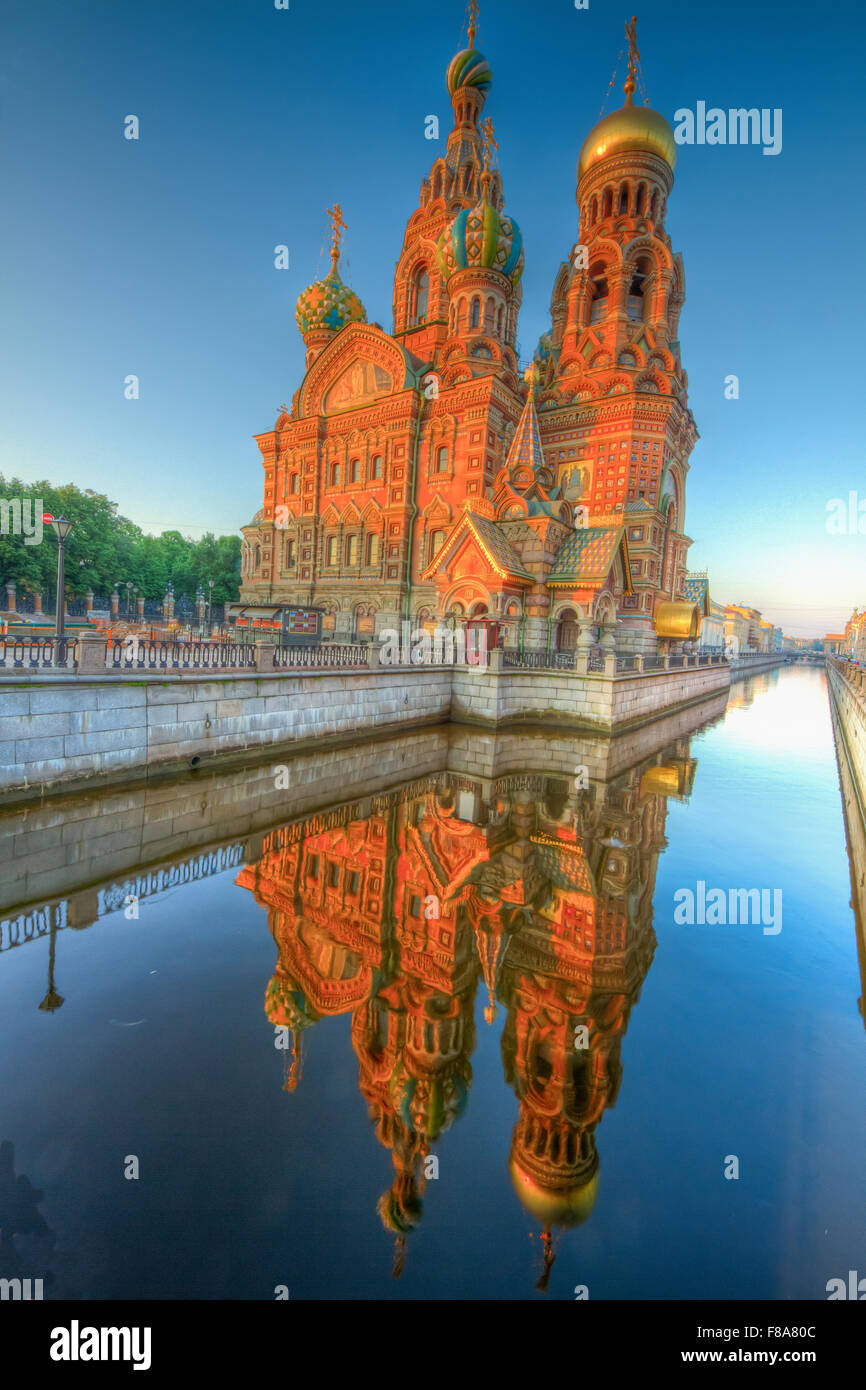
(38, 653)
(136, 655)
(328, 654)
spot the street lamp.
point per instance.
(128, 597)
(210, 584)
(61, 528)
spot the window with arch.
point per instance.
(607, 202)
(598, 305)
(291, 553)
(294, 483)
(654, 206)
(441, 461)
(352, 550)
(332, 552)
(636, 289)
(373, 549)
(475, 313)
(641, 200)
(499, 321)
(335, 474)
(355, 471)
(420, 295)
(257, 558)
(437, 184)
(489, 313)
(376, 467)
(623, 198)
(437, 540)
(467, 179)
(593, 211)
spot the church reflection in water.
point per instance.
(532, 888)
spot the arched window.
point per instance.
(351, 550)
(598, 308)
(636, 289)
(335, 474)
(373, 549)
(332, 551)
(641, 200)
(355, 471)
(475, 315)
(294, 483)
(442, 459)
(593, 212)
(606, 203)
(258, 557)
(499, 321)
(437, 184)
(467, 179)
(437, 540)
(420, 295)
(623, 198)
(376, 467)
(291, 553)
(489, 314)
(654, 206)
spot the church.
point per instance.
(423, 476)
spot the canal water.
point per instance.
(419, 1020)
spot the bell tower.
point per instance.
(614, 387)
(453, 185)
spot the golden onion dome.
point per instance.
(555, 1206)
(631, 128)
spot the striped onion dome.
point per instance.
(469, 68)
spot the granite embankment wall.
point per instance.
(58, 730)
(848, 703)
(848, 709)
(750, 665)
(114, 727)
(602, 702)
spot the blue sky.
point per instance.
(155, 257)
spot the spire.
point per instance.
(526, 447)
(490, 145)
(488, 943)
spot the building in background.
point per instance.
(854, 644)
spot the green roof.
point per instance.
(586, 556)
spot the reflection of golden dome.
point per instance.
(551, 1206)
(629, 128)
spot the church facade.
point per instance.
(421, 475)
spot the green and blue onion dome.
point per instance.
(469, 68)
(328, 304)
(484, 238)
(544, 349)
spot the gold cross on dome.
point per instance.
(473, 22)
(338, 226)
